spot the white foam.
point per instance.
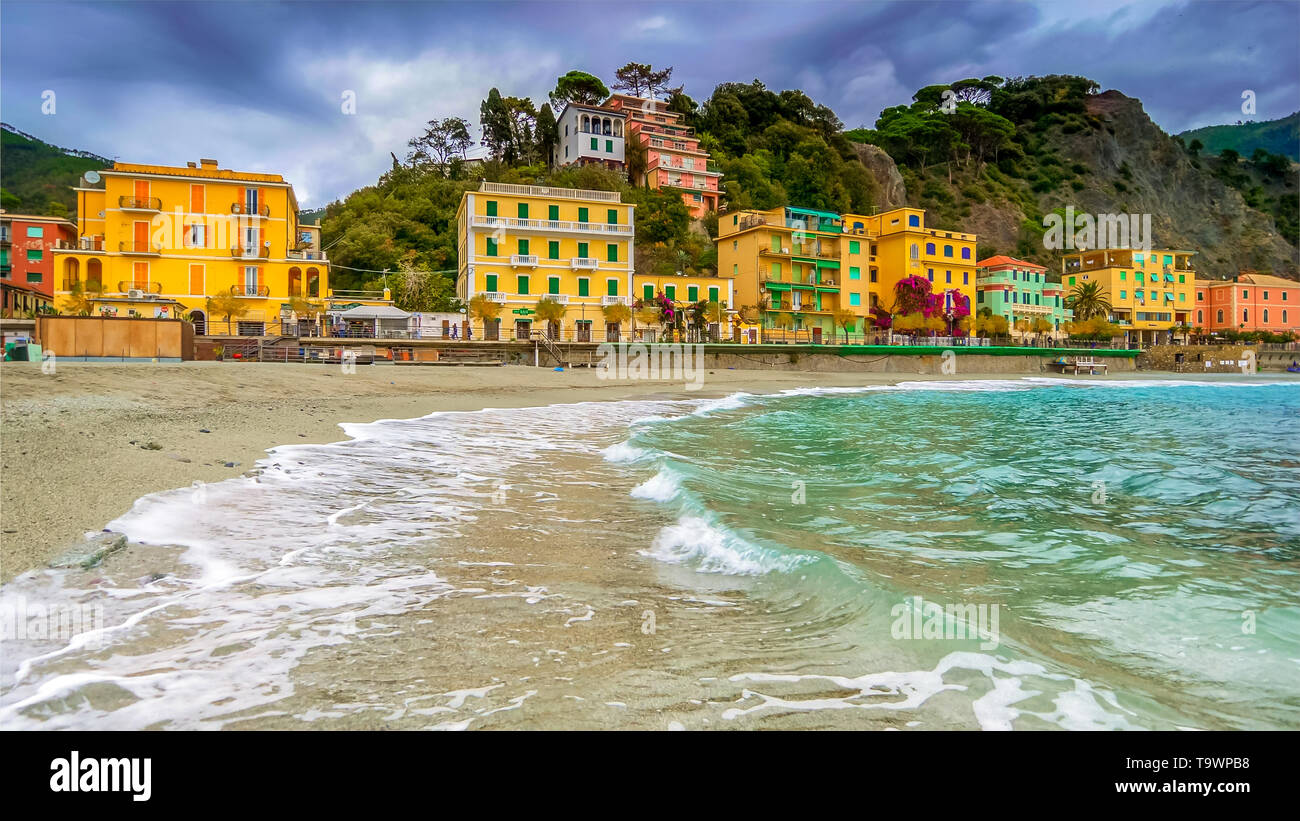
(711, 548)
(661, 487)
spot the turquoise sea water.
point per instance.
(1103, 554)
(1140, 539)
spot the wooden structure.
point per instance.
(114, 338)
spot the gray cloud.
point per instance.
(259, 85)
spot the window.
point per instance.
(523, 210)
(1219, 317)
(1284, 317)
(930, 273)
(693, 295)
(595, 144)
(1182, 297)
(670, 291)
(965, 253)
(776, 271)
(915, 251)
(552, 285)
(491, 207)
(1245, 314)
(713, 295)
(1123, 294)
(873, 274)
(947, 277)
(1123, 275)
(553, 249)
(913, 221)
(521, 286)
(929, 248)
(1183, 278)
(491, 282)
(582, 250)
(1266, 296)
(582, 215)
(979, 297)
(947, 250)
(965, 277)
(33, 276)
(611, 287)
(1071, 280)
(35, 231)
(609, 146)
(1266, 315)
(553, 212)
(523, 247)
(855, 272)
(612, 216)
(855, 299)
(611, 252)
(873, 249)
(491, 246)
(1245, 294)
(34, 254)
(584, 287)
(854, 247)
(1200, 316)
(648, 292)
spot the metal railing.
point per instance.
(126, 285)
(140, 203)
(133, 247)
(243, 290)
(307, 254)
(250, 253)
(257, 211)
(620, 229)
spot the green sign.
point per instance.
(523, 311)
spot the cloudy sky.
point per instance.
(259, 86)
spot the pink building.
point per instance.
(673, 155)
(1251, 302)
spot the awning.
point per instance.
(823, 214)
(375, 312)
(778, 286)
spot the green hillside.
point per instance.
(1274, 136)
(37, 177)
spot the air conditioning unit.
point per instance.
(785, 250)
(135, 293)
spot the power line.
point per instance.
(372, 271)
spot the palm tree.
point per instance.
(1088, 301)
(551, 312)
(616, 315)
(486, 311)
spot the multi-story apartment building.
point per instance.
(1019, 290)
(1251, 302)
(1150, 292)
(811, 263)
(160, 241)
(684, 290)
(520, 243)
(591, 135)
(674, 158)
(901, 247)
(27, 245)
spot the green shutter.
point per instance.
(523, 285)
(776, 243)
(491, 249)
(611, 252)
(855, 272)
(609, 146)
(491, 282)
(670, 291)
(648, 292)
(611, 287)
(613, 216)
(582, 215)
(713, 295)
(491, 208)
(582, 249)
(594, 144)
(523, 247)
(553, 285)
(553, 212)
(523, 210)
(583, 287)
(693, 293)
(553, 249)
(854, 247)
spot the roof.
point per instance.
(831, 215)
(34, 218)
(1268, 279)
(1002, 259)
(204, 173)
(375, 312)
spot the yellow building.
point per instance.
(1149, 291)
(159, 241)
(807, 264)
(518, 244)
(688, 289)
(901, 246)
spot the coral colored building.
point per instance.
(27, 260)
(673, 155)
(1251, 302)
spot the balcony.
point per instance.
(584, 263)
(244, 290)
(251, 253)
(139, 203)
(129, 285)
(494, 296)
(553, 225)
(141, 248)
(307, 254)
(548, 192)
(523, 260)
(257, 211)
(616, 300)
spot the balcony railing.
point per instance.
(547, 191)
(139, 203)
(244, 290)
(250, 253)
(552, 225)
(563, 299)
(615, 300)
(523, 260)
(307, 253)
(494, 296)
(131, 285)
(133, 247)
(588, 263)
(258, 211)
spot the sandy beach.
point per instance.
(79, 446)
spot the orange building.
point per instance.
(674, 158)
(1251, 302)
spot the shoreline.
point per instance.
(79, 447)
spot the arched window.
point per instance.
(965, 253)
(1266, 316)
(1200, 317)
(929, 247)
(586, 123)
(1284, 317)
(1245, 314)
(71, 273)
(1219, 317)
(313, 282)
(947, 250)
(618, 128)
(609, 128)
(915, 251)
(858, 226)
(913, 221)
(95, 274)
(295, 281)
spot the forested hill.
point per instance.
(37, 177)
(1274, 136)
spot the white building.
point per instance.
(590, 134)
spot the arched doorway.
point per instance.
(95, 276)
(200, 322)
(313, 282)
(71, 273)
(295, 281)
